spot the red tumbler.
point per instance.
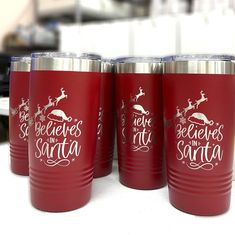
(199, 128)
(64, 103)
(105, 131)
(140, 122)
(19, 114)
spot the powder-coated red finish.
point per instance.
(105, 131)
(199, 132)
(18, 122)
(62, 138)
(140, 130)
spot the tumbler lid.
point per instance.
(20, 64)
(198, 64)
(92, 56)
(197, 57)
(138, 65)
(60, 61)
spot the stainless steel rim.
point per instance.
(21, 64)
(198, 67)
(198, 64)
(86, 65)
(64, 62)
(233, 66)
(142, 65)
(107, 66)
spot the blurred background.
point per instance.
(114, 28)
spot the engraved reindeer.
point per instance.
(39, 111)
(50, 104)
(23, 103)
(123, 105)
(132, 99)
(202, 99)
(62, 96)
(190, 106)
(178, 113)
(141, 93)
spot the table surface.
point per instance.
(113, 210)
(4, 106)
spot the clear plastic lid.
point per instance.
(91, 56)
(198, 57)
(53, 55)
(135, 60)
(26, 59)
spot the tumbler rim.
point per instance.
(20, 63)
(107, 65)
(141, 65)
(198, 64)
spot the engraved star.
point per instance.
(73, 159)
(26, 108)
(217, 124)
(30, 122)
(42, 118)
(183, 120)
(13, 112)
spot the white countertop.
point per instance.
(113, 210)
(4, 106)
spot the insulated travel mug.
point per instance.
(199, 130)
(19, 114)
(105, 130)
(64, 102)
(140, 122)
